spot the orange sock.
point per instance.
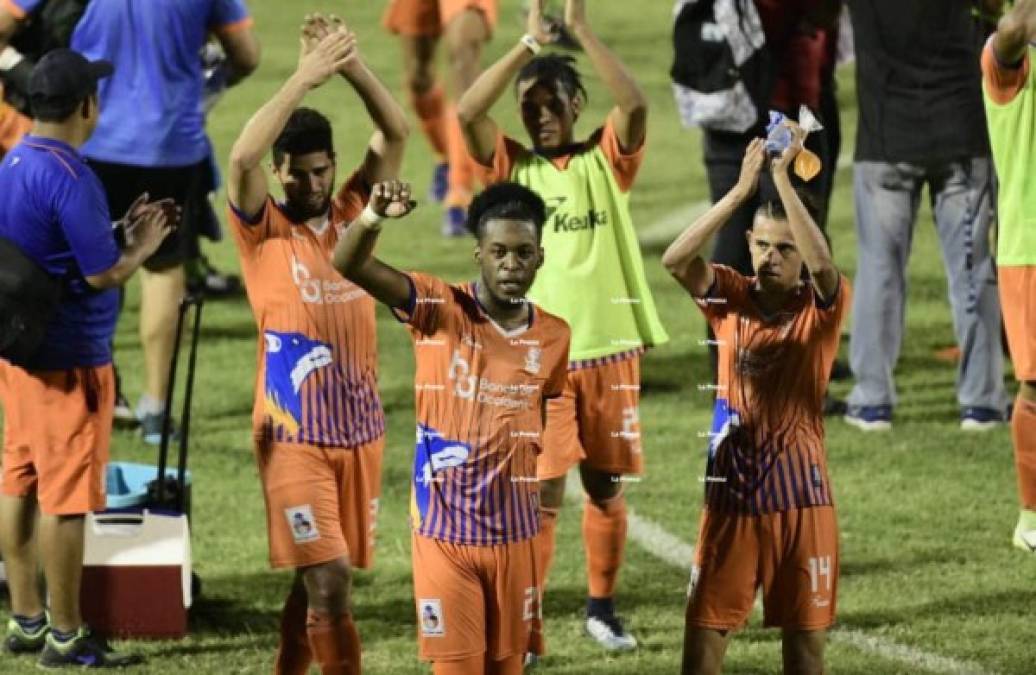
(430, 107)
(335, 643)
(293, 654)
(462, 169)
(545, 543)
(604, 536)
(1023, 432)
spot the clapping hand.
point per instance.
(391, 199)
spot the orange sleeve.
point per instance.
(250, 232)
(13, 125)
(727, 293)
(624, 165)
(352, 197)
(555, 384)
(834, 311)
(1003, 82)
(505, 155)
(428, 303)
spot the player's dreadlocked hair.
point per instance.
(306, 131)
(509, 201)
(554, 68)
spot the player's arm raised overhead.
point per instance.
(808, 238)
(1016, 29)
(629, 116)
(385, 151)
(684, 258)
(354, 255)
(480, 131)
(247, 186)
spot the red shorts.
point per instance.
(321, 503)
(475, 599)
(428, 17)
(792, 555)
(1018, 301)
(596, 421)
(57, 432)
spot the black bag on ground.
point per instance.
(28, 299)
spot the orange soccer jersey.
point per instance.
(766, 448)
(479, 394)
(317, 369)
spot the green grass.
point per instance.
(925, 512)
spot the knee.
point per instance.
(464, 38)
(328, 586)
(552, 493)
(601, 487)
(419, 78)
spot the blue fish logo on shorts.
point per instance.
(290, 359)
(432, 454)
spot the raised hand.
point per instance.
(752, 165)
(537, 26)
(325, 50)
(575, 14)
(782, 161)
(391, 199)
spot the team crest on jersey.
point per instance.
(532, 360)
(433, 624)
(291, 358)
(303, 525)
(432, 454)
(725, 420)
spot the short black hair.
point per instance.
(772, 207)
(57, 108)
(554, 68)
(509, 201)
(306, 131)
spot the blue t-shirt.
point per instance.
(151, 108)
(52, 206)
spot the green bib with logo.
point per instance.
(1012, 136)
(593, 275)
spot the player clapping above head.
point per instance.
(487, 360)
(767, 469)
(319, 425)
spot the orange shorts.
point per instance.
(792, 555)
(57, 432)
(595, 420)
(1018, 301)
(475, 599)
(428, 17)
(321, 503)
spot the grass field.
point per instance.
(929, 582)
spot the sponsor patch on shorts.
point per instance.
(303, 525)
(429, 611)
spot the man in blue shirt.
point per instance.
(58, 404)
(151, 138)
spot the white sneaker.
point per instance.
(610, 634)
(1025, 532)
(531, 660)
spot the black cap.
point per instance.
(63, 74)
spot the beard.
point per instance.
(308, 207)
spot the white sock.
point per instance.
(148, 405)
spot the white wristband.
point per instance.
(531, 43)
(9, 58)
(369, 219)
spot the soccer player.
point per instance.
(769, 517)
(593, 277)
(466, 26)
(487, 360)
(318, 422)
(1010, 89)
(58, 402)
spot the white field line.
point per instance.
(665, 229)
(672, 550)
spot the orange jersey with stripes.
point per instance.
(766, 448)
(316, 380)
(480, 392)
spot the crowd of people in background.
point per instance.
(519, 378)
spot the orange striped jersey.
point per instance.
(316, 378)
(480, 394)
(766, 445)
